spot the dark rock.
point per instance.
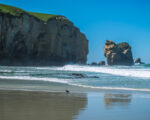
(101, 63)
(118, 54)
(93, 63)
(80, 75)
(92, 76)
(138, 60)
(27, 40)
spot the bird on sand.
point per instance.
(67, 91)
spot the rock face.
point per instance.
(118, 54)
(26, 39)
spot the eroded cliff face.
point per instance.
(25, 39)
(118, 54)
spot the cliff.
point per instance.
(118, 54)
(28, 38)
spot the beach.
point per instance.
(105, 105)
(105, 92)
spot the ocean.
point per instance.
(128, 78)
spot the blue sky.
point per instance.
(117, 20)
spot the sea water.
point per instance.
(132, 78)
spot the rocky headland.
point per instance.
(28, 38)
(118, 54)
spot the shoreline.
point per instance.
(37, 105)
(47, 86)
(76, 90)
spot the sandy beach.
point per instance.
(38, 93)
(34, 105)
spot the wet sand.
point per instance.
(21, 105)
(27, 105)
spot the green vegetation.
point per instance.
(11, 10)
(42, 16)
(17, 12)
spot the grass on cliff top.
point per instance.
(41, 16)
(11, 10)
(17, 12)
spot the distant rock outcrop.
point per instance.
(118, 54)
(93, 63)
(138, 61)
(101, 63)
(97, 64)
(27, 39)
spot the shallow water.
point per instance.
(116, 106)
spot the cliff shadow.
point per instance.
(40, 105)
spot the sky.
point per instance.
(101, 20)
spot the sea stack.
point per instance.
(28, 38)
(138, 61)
(118, 54)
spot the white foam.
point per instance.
(7, 71)
(141, 73)
(34, 78)
(113, 88)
